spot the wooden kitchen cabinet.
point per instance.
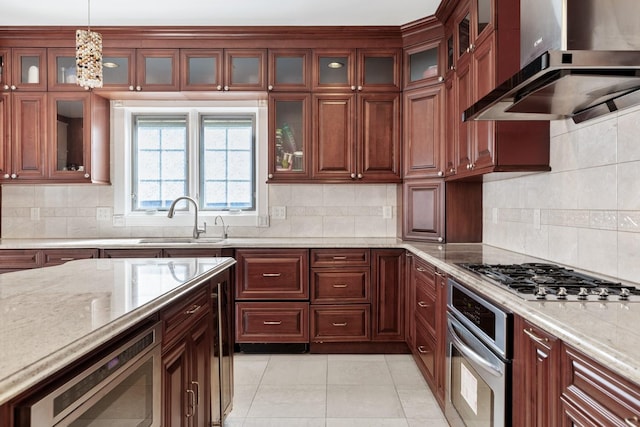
(422, 65)
(19, 259)
(60, 256)
(23, 69)
(387, 282)
(482, 44)
(536, 373)
(426, 319)
(356, 138)
(186, 362)
(423, 210)
(356, 70)
(289, 70)
(340, 295)
(593, 395)
(272, 322)
(289, 137)
(131, 253)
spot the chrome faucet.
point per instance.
(196, 231)
(225, 229)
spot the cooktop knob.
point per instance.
(562, 293)
(603, 294)
(541, 293)
(583, 293)
(624, 294)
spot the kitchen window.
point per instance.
(210, 151)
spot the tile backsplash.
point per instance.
(318, 210)
(586, 211)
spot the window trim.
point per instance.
(121, 128)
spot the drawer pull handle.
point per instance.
(197, 392)
(340, 324)
(534, 337)
(422, 304)
(193, 309)
(340, 285)
(272, 322)
(421, 270)
(67, 259)
(631, 421)
(422, 349)
(192, 403)
(270, 274)
(339, 258)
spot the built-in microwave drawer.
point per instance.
(275, 274)
(349, 322)
(272, 322)
(344, 285)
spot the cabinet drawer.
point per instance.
(600, 394)
(17, 259)
(351, 322)
(182, 315)
(340, 285)
(425, 349)
(274, 274)
(339, 257)
(60, 256)
(272, 322)
(425, 306)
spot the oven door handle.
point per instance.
(469, 353)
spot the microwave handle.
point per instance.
(470, 354)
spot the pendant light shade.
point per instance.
(88, 56)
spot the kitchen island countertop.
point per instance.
(52, 316)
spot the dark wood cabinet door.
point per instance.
(464, 92)
(423, 132)
(423, 210)
(131, 253)
(340, 323)
(536, 376)
(388, 295)
(451, 128)
(158, 69)
(245, 69)
(5, 135)
(483, 131)
(272, 322)
(201, 69)
(60, 256)
(29, 133)
(340, 285)
(378, 139)
(272, 274)
(175, 382)
(19, 259)
(333, 138)
(201, 343)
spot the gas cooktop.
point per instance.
(539, 281)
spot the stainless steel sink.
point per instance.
(168, 240)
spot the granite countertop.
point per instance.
(52, 316)
(604, 331)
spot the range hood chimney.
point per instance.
(580, 59)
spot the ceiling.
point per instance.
(214, 12)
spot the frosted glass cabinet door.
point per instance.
(200, 69)
(289, 70)
(245, 69)
(157, 69)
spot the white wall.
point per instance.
(585, 212)
(318, 210)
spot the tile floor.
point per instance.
(310, 390)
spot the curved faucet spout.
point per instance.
(196, 230)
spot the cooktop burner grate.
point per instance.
(549, 281)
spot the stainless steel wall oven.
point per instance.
(479, 348)
(121, 389)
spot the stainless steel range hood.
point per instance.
(580, 59)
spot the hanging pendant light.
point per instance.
(88, 55)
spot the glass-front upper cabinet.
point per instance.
(474, 24)
(62, 70)
(289, 123)
(451, 65)
(23, 69)
(69, 135)
(422, 65)
(333, 70)
(201, 69)
(245, 69)
(118, 69)
(464, 36)
(484, 16)
(378, 70)
(157, 69)
(289, 70)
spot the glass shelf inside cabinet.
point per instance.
(423, 64)
(289, 147)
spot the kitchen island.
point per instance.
(52, 317)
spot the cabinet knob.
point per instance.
(440, 173)
(226, 88)
(14, 87)
(468, 166)
(440, 78)
(270, 176)
(86, 175)
(359, 87)
(14, 176)
(440, 239)
(131, 88)
(469, 49)
(632, 421)
(359, 176)
(452, 68)
(270, 87)
(452, 170)
(353, 176)
(6, 176)
(138, 88)
(219, 87)
(353, 88)
(422, 349)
